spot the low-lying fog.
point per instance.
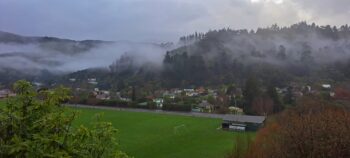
(31, 57)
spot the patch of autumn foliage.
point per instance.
(342, 94)
(312, 129)
(262, 106)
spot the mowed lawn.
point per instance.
(148, 135)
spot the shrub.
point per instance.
(36, 125)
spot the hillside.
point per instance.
(278, 55)
(274, 54)
(24, 57)
(51, 43)
(301, 52)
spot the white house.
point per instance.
(326, 86)
(159, 102)
(92, 81)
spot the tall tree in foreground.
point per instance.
(34, 124)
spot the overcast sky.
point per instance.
(159, 20)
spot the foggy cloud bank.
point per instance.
(34, 57)
(276, 45)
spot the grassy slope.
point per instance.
(146, 135)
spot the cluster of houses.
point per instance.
(202, 104)
(202, 94)
(172, 93)
(298, 91)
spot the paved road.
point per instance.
(193, 114)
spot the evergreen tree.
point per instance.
(133, 93)
(281, 52)
(277, 102)
(289, 98)
(251, 92)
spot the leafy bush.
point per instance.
(36, 125)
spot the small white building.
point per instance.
(177, 91)
(159, 102)
(92, 81)
(191, 94)
(326, 86)
(235, 110)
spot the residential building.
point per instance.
(159, 102)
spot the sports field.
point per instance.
(149, 135)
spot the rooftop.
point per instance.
(244, 118)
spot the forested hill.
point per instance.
(275, 55)
(51, 43)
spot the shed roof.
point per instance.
(244, 118)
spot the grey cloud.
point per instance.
(159, 20)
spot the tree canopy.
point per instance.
(35, 124)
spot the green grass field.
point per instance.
(156, 136)
(147, 135)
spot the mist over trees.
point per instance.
(39, 58)
(274, 54)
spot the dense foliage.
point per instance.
(34, 124)
(312, 129)
(275, 54)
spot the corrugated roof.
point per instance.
(244, 118)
